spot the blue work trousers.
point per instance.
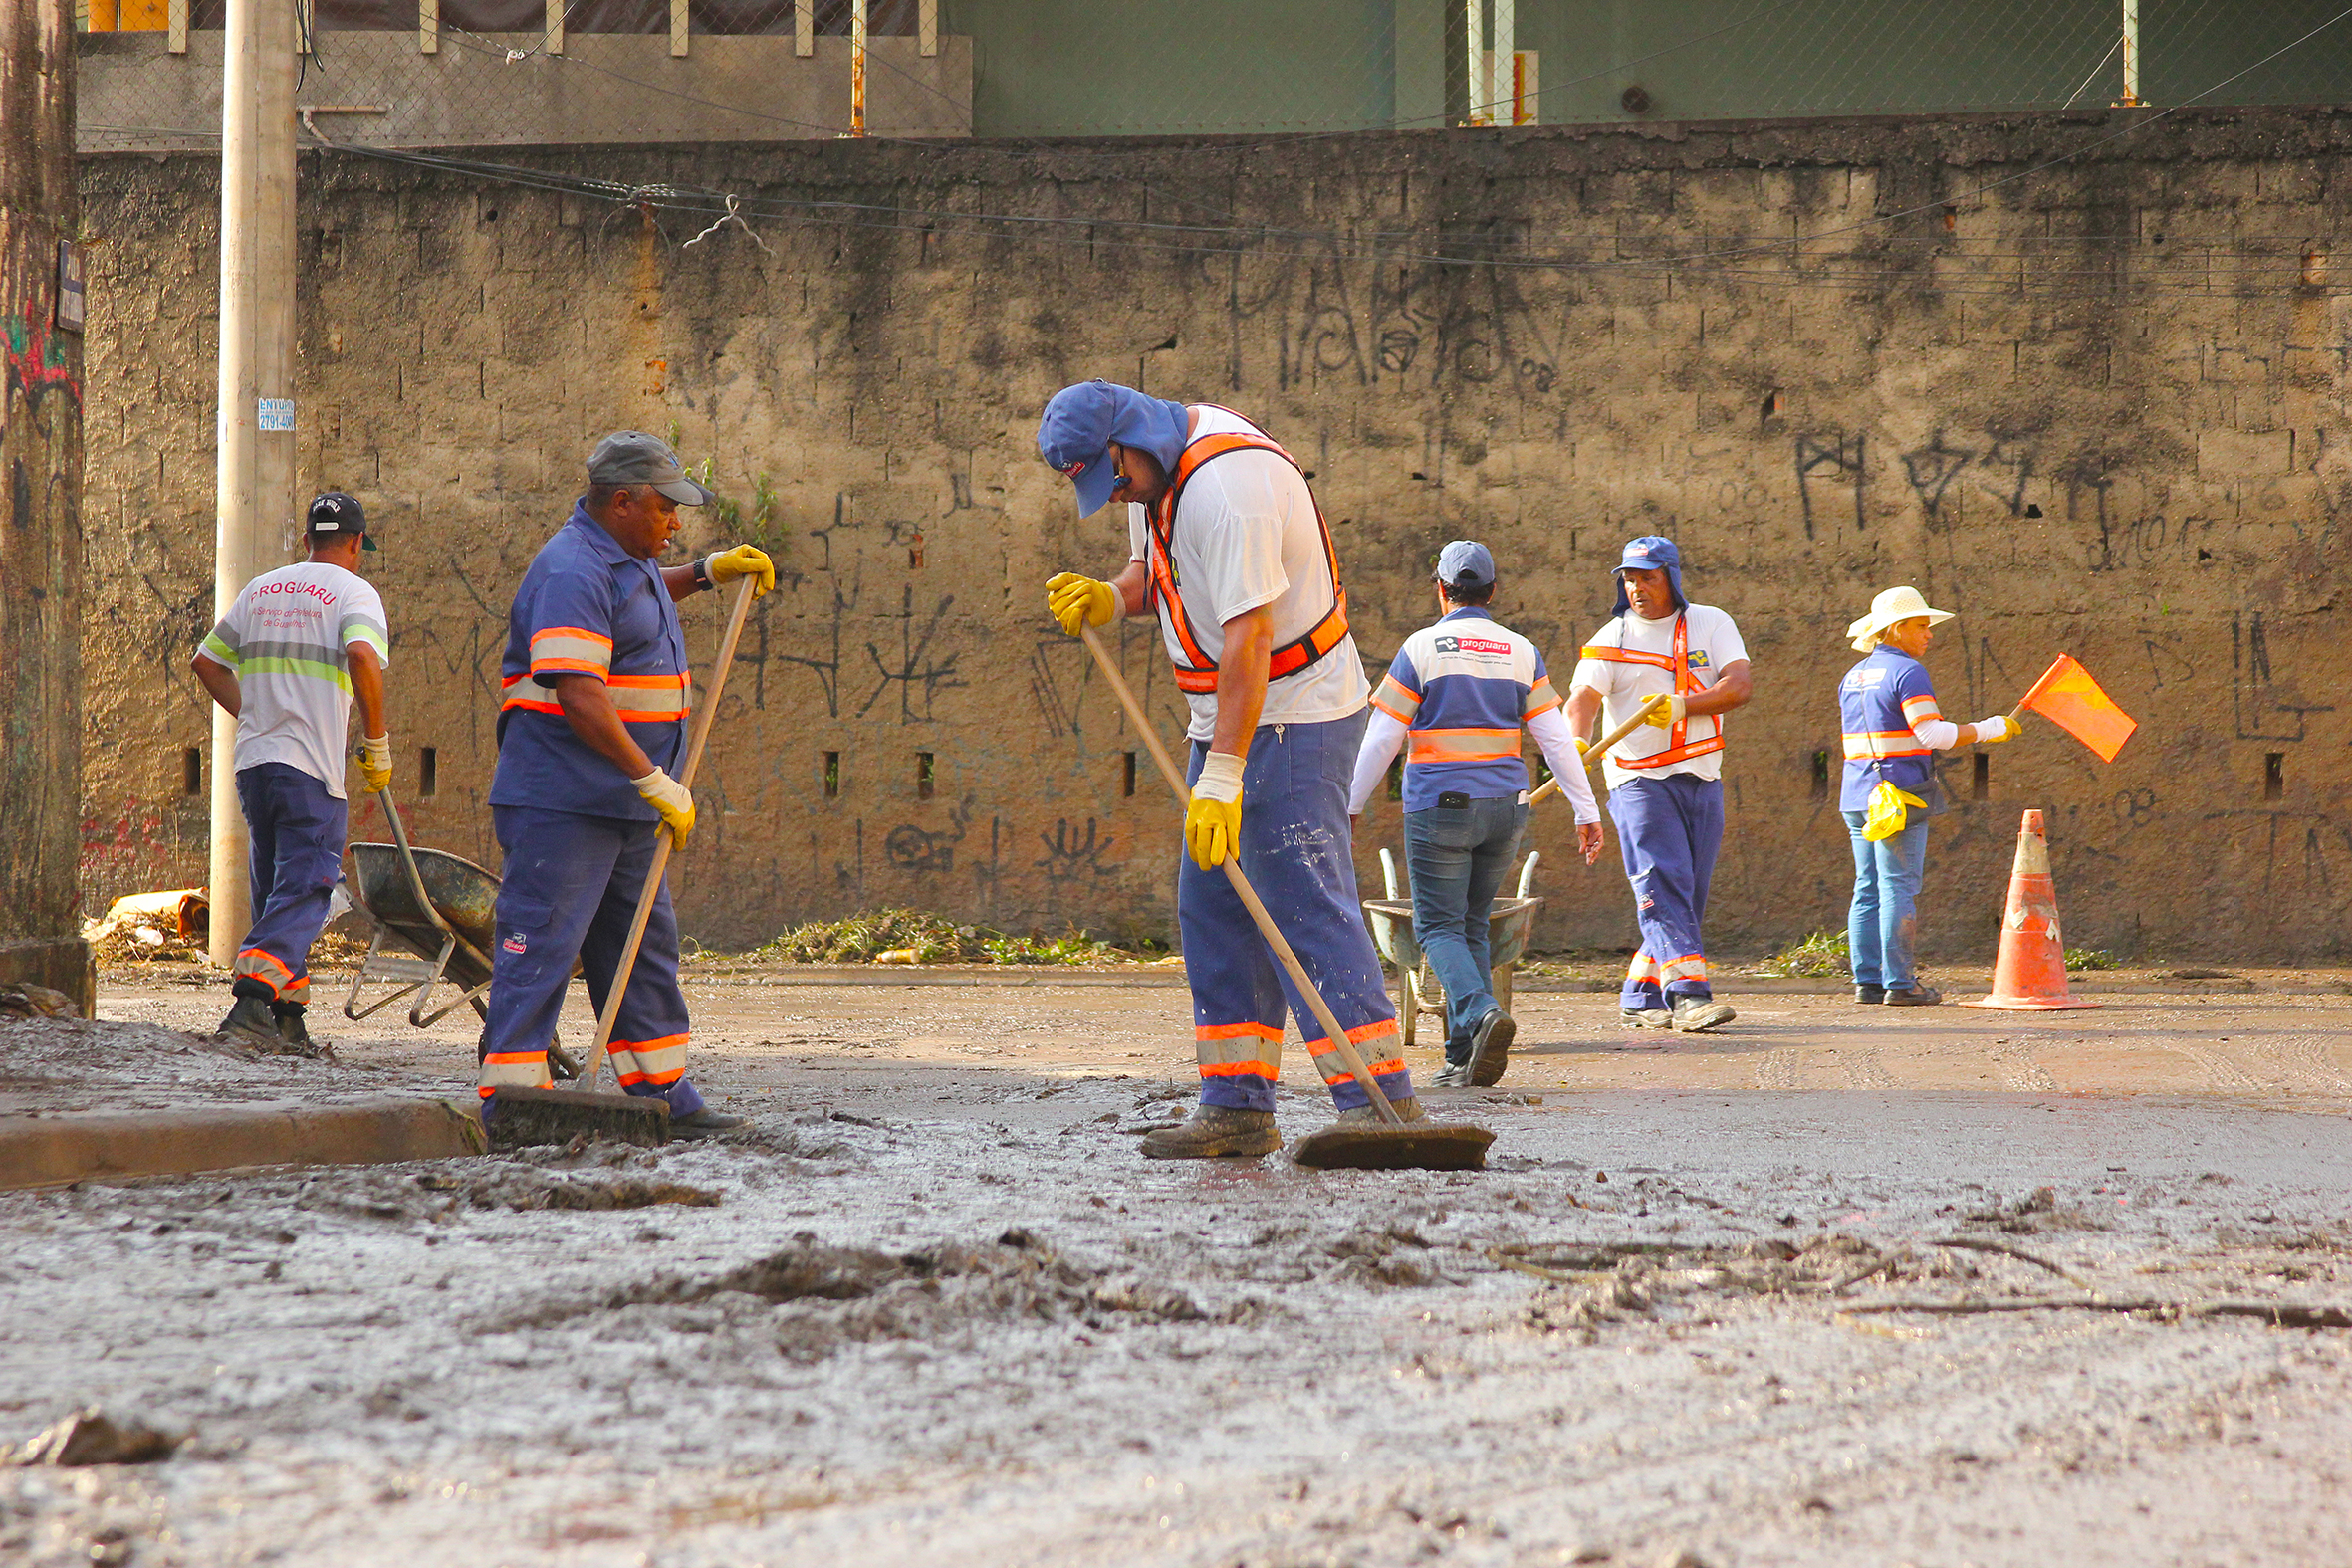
(1298, 853)
(1669, 830)
(1882, 925)
(296, 832)
(569, 892)
(1458, 856)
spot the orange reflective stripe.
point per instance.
(1626, 657)
(1196, 672)
(1226, 1031)
(1879, 744)
(1380, 1029)
(1679, 746)
(1462, 746)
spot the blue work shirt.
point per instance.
(587, 606)
(1878, 702)
(1464, 688)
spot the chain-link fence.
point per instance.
(455, 72)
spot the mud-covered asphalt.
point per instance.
(934, 1308)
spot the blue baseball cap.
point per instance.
(1081, 422)
(1650, 553)
(1465, 563)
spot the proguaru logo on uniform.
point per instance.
(1472, 646)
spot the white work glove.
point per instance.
(670, 798)
(1213, 823)
(1990, 732)
(1665, 715)
(375, 762)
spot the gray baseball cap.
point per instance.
(1465, 563)
(631, 457)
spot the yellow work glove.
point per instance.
(1992, 732)
(375, 762)
(1665, 715)
(668, 797)
(1213, 823)
(1078, 601)
(744, 561)
(1889, 810)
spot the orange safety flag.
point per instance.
(2068, 696)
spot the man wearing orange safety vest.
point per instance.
(1666, 791)
(1230, 553)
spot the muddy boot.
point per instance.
(1215, 1132)
(1645, 1017)
(1489, 1048)
(1697, 1015)
(705, 1123)
(1453, 1075)
(1406, 1110)
(250, 1022)
(1913, 997)
(1870, 996)
(293, 1029)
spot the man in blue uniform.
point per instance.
(592, 721)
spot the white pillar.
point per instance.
(2131, 52)
(1474, 38)
(253, 511)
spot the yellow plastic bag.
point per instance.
(1888, 810)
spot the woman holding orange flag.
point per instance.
(1893, 728)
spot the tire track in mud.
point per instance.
(1778, 1068)
(1861, 1069)
(2218, 1070)
(2017, 1068)
(2307, 1064)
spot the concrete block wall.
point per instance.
(2095, 409)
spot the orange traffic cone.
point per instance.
(2030, 976)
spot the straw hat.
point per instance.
(1889, 608)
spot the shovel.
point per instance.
(1393, 1145)
(557, 1115)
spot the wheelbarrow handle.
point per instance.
(424, 901)
(1599, 749)
(1349, 1054)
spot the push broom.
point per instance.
(1391, 1144)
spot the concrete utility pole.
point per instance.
(254, 485)
(40, 505)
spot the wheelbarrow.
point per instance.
(1510, 921)
(438, 907)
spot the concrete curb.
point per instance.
(39, 1150)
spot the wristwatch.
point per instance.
(702, 574)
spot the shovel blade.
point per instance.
(1417, 1146)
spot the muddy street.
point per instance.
(1939, 1289)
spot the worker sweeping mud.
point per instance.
(1457, 695)
(1892, 728)
(592, 721)
(1227, 548)
(1665, 795)
(286, 662)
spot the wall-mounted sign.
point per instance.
(276, 413)
(68, 287)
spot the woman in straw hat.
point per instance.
(1893, 728)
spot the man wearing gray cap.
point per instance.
(593, 719)
(1460, 692)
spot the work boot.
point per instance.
(251, 1024)
(1489, 1048)
(1868, 994)
(1913, 997)
(1356, 1116)
(1453, 1075)
(1645, 1017)
(705, 1123)
(292, 1027)
(1697, 1015)
(1215, 1132)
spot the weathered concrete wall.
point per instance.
(40, 511)
(2095, 409)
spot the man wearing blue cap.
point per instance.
(1666, 791)
(1227, 548)
(1461, 691)
(593, 719)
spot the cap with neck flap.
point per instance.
(1650, 553)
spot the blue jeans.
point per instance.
(296, 830)
(1882, 924)
(1296, 853)
(1458, 857)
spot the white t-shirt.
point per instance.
(285, 638)
(1712, 643)
(1247, 534)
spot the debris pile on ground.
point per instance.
(913, 936)
(1597, 1284)
(91, 1436)
(497, 1183)
(24, 999)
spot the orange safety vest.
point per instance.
(1196, 671)
(1679, 746)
